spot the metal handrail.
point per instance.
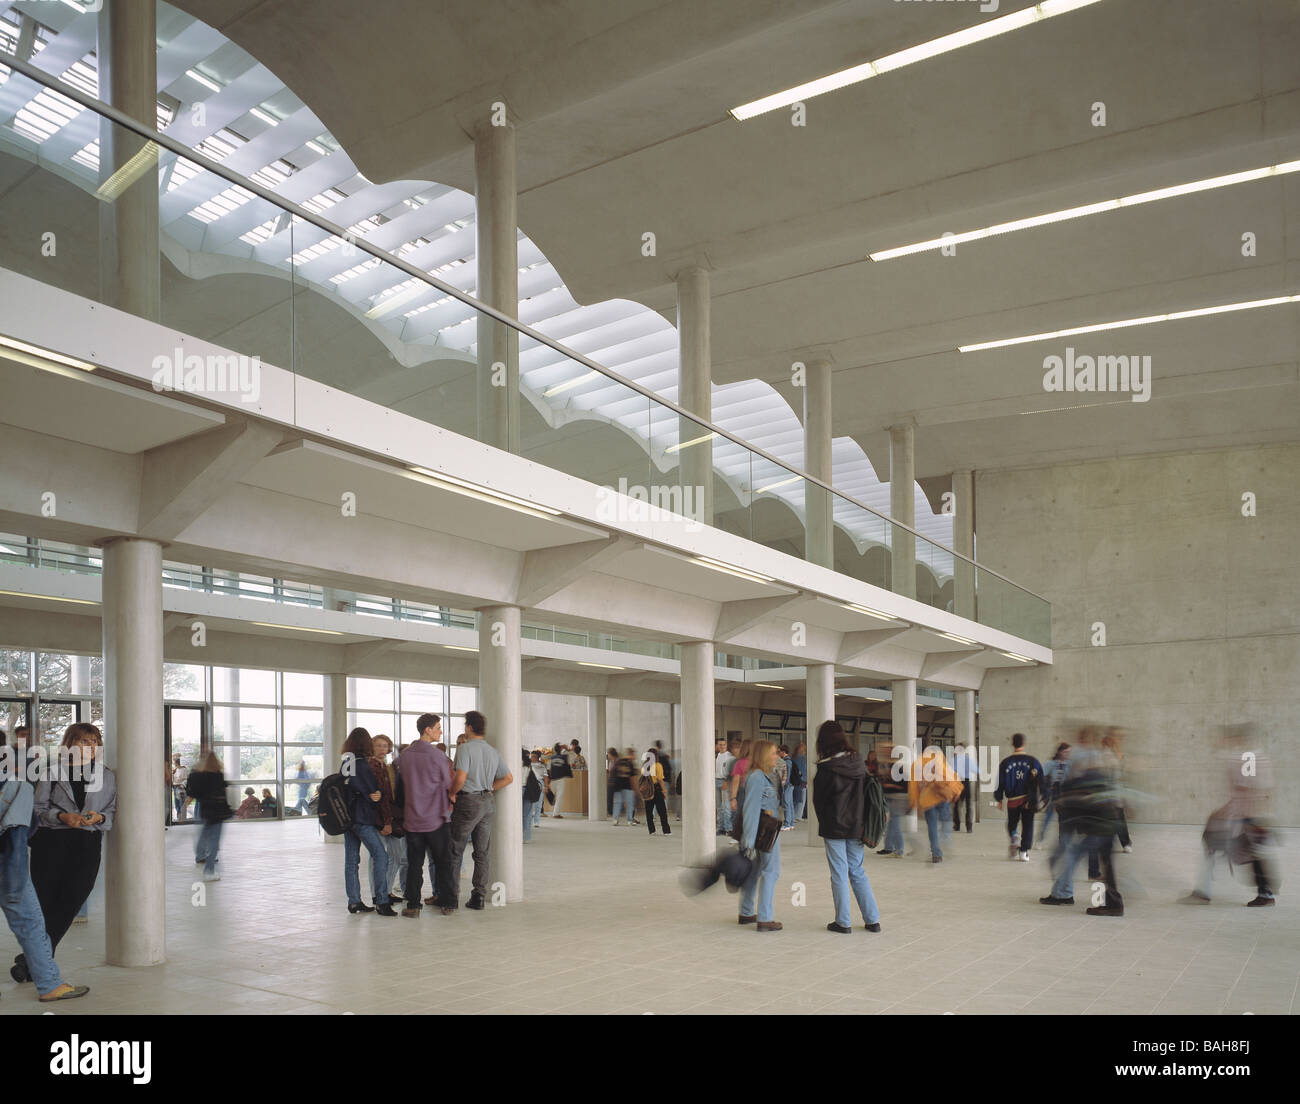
(122, 119)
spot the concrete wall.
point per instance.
(1201, 608)
(551, 717)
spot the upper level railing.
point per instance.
(256, 273)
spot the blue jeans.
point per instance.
(530, 813)
(1048, 813)
(767, 868)
(894, 827)
(844, 856)
(934, 816)
(1065, 859)
(787, 804)
(205, 851)
(369, 835)
(625, 800)
(23, 911)
(800, 796)
(723, 806)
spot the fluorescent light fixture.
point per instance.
(399, 299)
(780, 483)
(265, 116)
(869, 612)
(207, 82)
(459, 648)
(730, 569)
(469, 490)
(316, 147)
(299, 628)
(569, 383)
(767, 686)
(687, 444)
(49, 598)
(607, 666)
(35, 351)
(968, 37)
(1012, 655)
(144, 160)
(1173, 316)
(954, 636)
(1089, 209)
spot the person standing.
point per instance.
(479, 772)
(933, 785)
(611, 757)
(1020, 781)
(782, 772)
(624, 794)
(532, 794)
(670, 773)
(797, 788)
(894, 783)
(395, 843)
(539, 769)
(179, 777)
(560, 770)
(302, 778)
(839, 796)
(1113, 742)
(426, 793)
(1055, 771)
(758, 796)
(801, 788)
(739, 769)
(72, 812)
(652, 773)
(371, 822)
(966, 769)
(18, 898)
(723, 761)
(206, 786)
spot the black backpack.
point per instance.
(532, 788)
(334, 806)
(796, 779)
(873, 811)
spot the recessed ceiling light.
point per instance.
(869, 612)
(780, 483)
(767, 686)
(1088, 209)
(607, 666)
(316, 147)
(470, 490)
(955, 41)
(44, 359)
(730, 569)
(687, 444)
(458, 648)
(954, 636)
(299, 628)
(50, 598)
(1147, 320)
(207, 82)
(146, 157)
(569, 383)
(265, 116)
(1022, 659)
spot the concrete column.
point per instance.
(699, 809)
(819, 705)
(902, 507)
(597, 741)
(129, 271)
(497, 229)
(336, 728)
(903, 721)
(964, 734)
(963, 542)
(695, 382)
(136, 905)
(501, 700)
(819, 544)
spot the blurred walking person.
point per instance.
(893, 780)
(966, 768)
(932, 787)
(1055, 771)
(624, 793)
(839, 798)
(1113, 742)
(207, 787)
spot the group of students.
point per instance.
(653, 781)
(51, 843)
(418, 808)
(550, 774)
(732, 759)
(759, 814)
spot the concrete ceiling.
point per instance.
(622, 129)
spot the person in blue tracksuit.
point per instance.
(1020, 778)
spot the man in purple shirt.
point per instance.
(426, 780)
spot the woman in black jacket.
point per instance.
(206, 784)
(839, 796)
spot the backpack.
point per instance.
(645, 786)
(873, 811)
(532, 788)
(795, 779)
(334, 806)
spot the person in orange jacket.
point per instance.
(932, 788)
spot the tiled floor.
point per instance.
(606, 929)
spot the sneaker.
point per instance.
(834, 927)
(1056, 900)
(1024, 856)
(788, 828)
(873, 927)
(749, 919)
(769, 925)
(936, 858)
(411, 913)
(1128, 849)
(634, 823)
(1194, 898)
(885, 851)
(618, 822)
(385, 910)
(66, 991)
(475, 902)
(1015, 852)
(1106, 910)
(214, 877)
(1261, 902)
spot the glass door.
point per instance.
(187, 737)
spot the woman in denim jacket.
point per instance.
(759, 795)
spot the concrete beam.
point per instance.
(856, 644)
(181, 480)
(938, 662)
(356, 655)
(735, 618)
(546, 571)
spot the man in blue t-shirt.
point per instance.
(1019, 779)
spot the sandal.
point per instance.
(66, 991)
